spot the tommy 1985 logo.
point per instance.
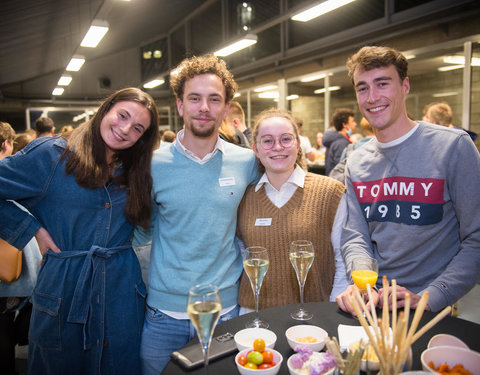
(407, 200)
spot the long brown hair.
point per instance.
(86, 156)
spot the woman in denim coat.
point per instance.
(85, 193)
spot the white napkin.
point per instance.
(350, 334)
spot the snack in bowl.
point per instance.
(450, 355)
(305, 334)
(308, 362)
(252, 362)
(244, 338)
(370, 359)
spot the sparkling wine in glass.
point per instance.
(203, 308)
(364, 271)
(255, 264)
(301, 256)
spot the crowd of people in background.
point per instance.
(391, 190)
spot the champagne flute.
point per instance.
(203, 308)
(255, 264)
(301, 256)
(364, 271)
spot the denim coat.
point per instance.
(88, 303)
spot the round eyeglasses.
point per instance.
(285, 140)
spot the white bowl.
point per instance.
(304, 330)
(452, 356)
(277, 358)
(443, 339)
(244, 338)
(294, 371)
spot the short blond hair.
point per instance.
(197, 65)
(440, 113)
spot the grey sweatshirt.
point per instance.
(415, 207)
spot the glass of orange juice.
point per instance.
(364, 271)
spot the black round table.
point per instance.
(328, 316)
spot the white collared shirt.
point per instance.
(189, 154)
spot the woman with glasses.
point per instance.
(289, 204)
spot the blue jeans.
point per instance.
(163, 335)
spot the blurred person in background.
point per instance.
(21, 140)
(236, 118)
(7, 139)
(338, 139)
(15, 307)
(44, 126)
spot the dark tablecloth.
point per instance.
(328, 316)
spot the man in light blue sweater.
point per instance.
(411, 192)
(198, 183)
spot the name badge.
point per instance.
(226, 181)
(263, 222)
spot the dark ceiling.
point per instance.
(38, 38)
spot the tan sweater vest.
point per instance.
(308, 215)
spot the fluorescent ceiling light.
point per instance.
(442, 94)
(331, 88)
(450, 67)
(460, 60)
(313, 77)
(265, 88)
(292, 97)
(75, 63)
(246, 41)
(237, 94)
(154, 83)
(318, 10)
(409, 57)
(268, 95)
(95, 34)
(57, 91)
(64, 80)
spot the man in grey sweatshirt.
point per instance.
(411, 193)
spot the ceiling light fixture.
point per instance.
(331, 88)
(265, 88)
(94, 35)
(442, 94)
(245, 42)
(64, 80)
(268, 95)
(449, 67)
(154, 83)
(313, 77)
(57, 91)
(318, 10)
(75, 63)
(460, 60)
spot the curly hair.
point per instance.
(197, 65)
(372, 57)
(86, 156)
(276, 112)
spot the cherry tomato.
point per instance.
(264, 366)
(255, 357)
(242, 360)
(259, 345)
(251, 365)
(267, 356)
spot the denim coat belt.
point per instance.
(87, 285)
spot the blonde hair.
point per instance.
(276, 112)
